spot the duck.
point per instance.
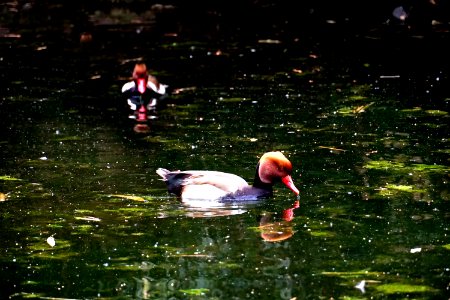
(196, 185)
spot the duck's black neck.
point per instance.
(257, 183)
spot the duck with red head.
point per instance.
(272, 167)
(144, 90)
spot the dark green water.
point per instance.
(371, 164)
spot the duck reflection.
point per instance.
(216, 208)
(141, 128)
(276, 231)
(272, 230)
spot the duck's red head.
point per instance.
(274, 166)
(140, 76)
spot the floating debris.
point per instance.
(51, 241)
(269, 41)
(88, 218)
(362, 108)
(130, 197)
(361, 286)
(184, 89)
(332, 149)
(400, 13)
(389, 76)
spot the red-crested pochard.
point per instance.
(212, 185)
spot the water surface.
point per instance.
(371, 165)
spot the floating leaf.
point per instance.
(398, 166)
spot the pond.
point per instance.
(83, 214)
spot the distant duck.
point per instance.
(144, 89)
(273, 167)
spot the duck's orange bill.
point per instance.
(287, 180)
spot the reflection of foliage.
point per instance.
(378, 277)
(61, 250)
(418, 110)
(16, 189)
(353, 110)
(412, 178)
(322, 234)
(403, 188)
(392, 166)
(8, 178)
(393, 189)
(401, 288)
(354, 274)
(319, 229)
(195, 292)
(375, 279)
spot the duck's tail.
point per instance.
(173, 179)
(163, 173)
